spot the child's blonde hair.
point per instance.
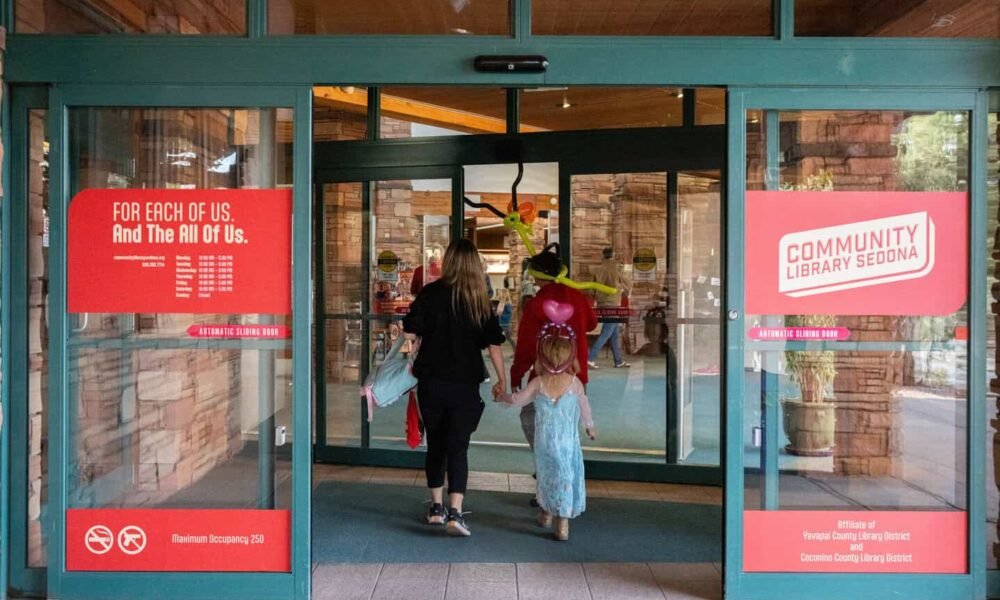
(555, 351)
(503, 297)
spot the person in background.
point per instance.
(612, 274)
(455, 322)
(505, 313)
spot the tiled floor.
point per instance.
(524, 484)
(521, 581)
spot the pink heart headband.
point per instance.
(559, 314)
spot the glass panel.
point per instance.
(187, 17)
(693, 323)
(654, 17)
(413, 112)
(935, 18)
(411, 228)
(710, 106)
(344, 291)
(340, 113)
(667, 251)
(993, 358)
(564, 109)
(504, 253)
(857, 342)
(38, 335)
(160, 419)
(626, 215)
(401, 17)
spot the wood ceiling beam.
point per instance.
(418, 112)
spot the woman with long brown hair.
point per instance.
(455, 321)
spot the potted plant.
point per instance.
(809, 420)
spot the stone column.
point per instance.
(857, 149)
(993, 167)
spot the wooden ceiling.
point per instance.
(651, 17)
(398, 17)
(899, 18)
(483, 109)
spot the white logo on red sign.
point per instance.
(132, 540)
(854, 255)
(99, 539)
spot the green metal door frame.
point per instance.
(776, 586)
(22, 578)
(118, 585)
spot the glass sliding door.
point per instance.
(378, 242)
(178, 345)
(852, 327)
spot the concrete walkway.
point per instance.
(521, 581)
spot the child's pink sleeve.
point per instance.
(585, 414)
(523, 396)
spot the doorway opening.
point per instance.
(634, 173)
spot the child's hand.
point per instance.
(592, 433)
(499, 391)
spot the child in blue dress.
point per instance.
(560, 404)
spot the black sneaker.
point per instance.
(436, 514)
(456, 524)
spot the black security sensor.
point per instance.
(511, 64)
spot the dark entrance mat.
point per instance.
(371, 523)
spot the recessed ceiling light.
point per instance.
(565, 103)
(460, 31)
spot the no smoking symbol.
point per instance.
(99, 539)
(132, 540)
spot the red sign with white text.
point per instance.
(855, 541)
(261, 332)
(856, 253)
(178, 540)
(180, 251)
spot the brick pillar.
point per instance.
(857, 149)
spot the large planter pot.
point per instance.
(809, 426)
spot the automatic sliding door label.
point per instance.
(855, 541)
(180, 251)
(178, 540)
(856, 253)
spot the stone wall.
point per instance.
(993, 172)
(857, 149)
(38, 370)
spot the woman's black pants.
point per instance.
(450, 411)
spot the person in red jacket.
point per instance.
(532, 318)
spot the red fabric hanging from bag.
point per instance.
(414, 428)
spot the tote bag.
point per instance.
(390, 379)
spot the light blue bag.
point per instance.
(390, 379)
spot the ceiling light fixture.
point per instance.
(943, 21)
(460, 31)
(565, 103)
